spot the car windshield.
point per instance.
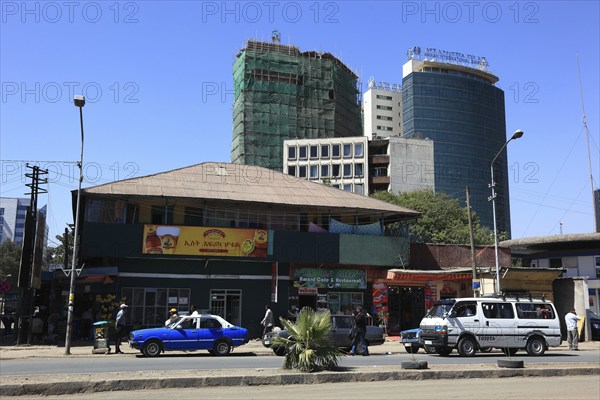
(174, 323)
(439, 310)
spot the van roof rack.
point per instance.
(518, 295)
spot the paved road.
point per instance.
(204, 361)
(569, 387)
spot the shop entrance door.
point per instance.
(228, 304)
(305, 300)
(406, 306)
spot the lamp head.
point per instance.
(518, 133)
(79, 101)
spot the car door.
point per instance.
(498, 325)
(184, 336)
(210, 331)
(341, 327)
(465, 317)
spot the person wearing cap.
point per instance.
(172, 316)
(120, 323)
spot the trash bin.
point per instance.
(101, 345)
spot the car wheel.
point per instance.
(466, 347)
(412, 349)
(429, 349)
(221, 348)
(152, 348)
(443, 351)
(510, 351)
(485, 349)
(536, 346)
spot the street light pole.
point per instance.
(518, 133)
(79, 101)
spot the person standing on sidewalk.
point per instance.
(360, 332)
(572, 335)
(120, 323)
(267, 321)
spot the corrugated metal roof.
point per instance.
(245, 183)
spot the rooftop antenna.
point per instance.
(587, 139)
(276, 37)
(561, 224)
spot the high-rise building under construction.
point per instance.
(282, 93)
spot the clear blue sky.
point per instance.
(158, 79)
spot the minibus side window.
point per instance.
(498, 310)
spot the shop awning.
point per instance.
(96, 278)
(458, 274)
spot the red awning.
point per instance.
(423, 276)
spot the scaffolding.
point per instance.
(282, 93)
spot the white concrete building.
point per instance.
(382, 110)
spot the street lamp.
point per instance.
(79, 101)
(518, 133)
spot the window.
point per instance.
(382, 97)
(314, 172)
(209, 323)
(384, 118)
(388, 108)
(324, 171)
(598, 267)
(358, 170)
(193, 216)
(359, 188)
(292, 153)
(107, 211)
(302, 152)
(325, 151)
(348, 187)
(534, 311)
(336, 186)
(498, 310)
(302, 171)
(358, 150)
(335, 170)
(556, 263)
(347, 170)
(464, 309)
(347, 150)
(335, 150)
(149, 307)
(314, 152)
(384, 128)
(291, 170)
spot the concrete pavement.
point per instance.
(57, 384)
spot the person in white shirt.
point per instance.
(267, 321)
(572, 334)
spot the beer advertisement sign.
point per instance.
(205, 241)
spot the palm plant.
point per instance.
(308, 345)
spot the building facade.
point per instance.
(459, 107)
(12, 218)
(382, 110)
(229, 239)
(282, 93)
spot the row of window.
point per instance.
(326, 151)
(384, 108)
(382, 97)
(384, 128)
(384, 117)
(327, 171)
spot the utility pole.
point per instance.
(472, 240)
(25, 304)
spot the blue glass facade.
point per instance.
(464, 116)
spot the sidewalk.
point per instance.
(57, 384)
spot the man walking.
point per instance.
(267, 321)
(572, 335)
(120, 323)
(360, 332)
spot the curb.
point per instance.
(78, 387)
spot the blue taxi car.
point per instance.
(193, 332)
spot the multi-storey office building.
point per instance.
(362, 166)
(452, 99)
(282, 93)
(12, 218)
(382, 110)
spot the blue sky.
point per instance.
(158, 80)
